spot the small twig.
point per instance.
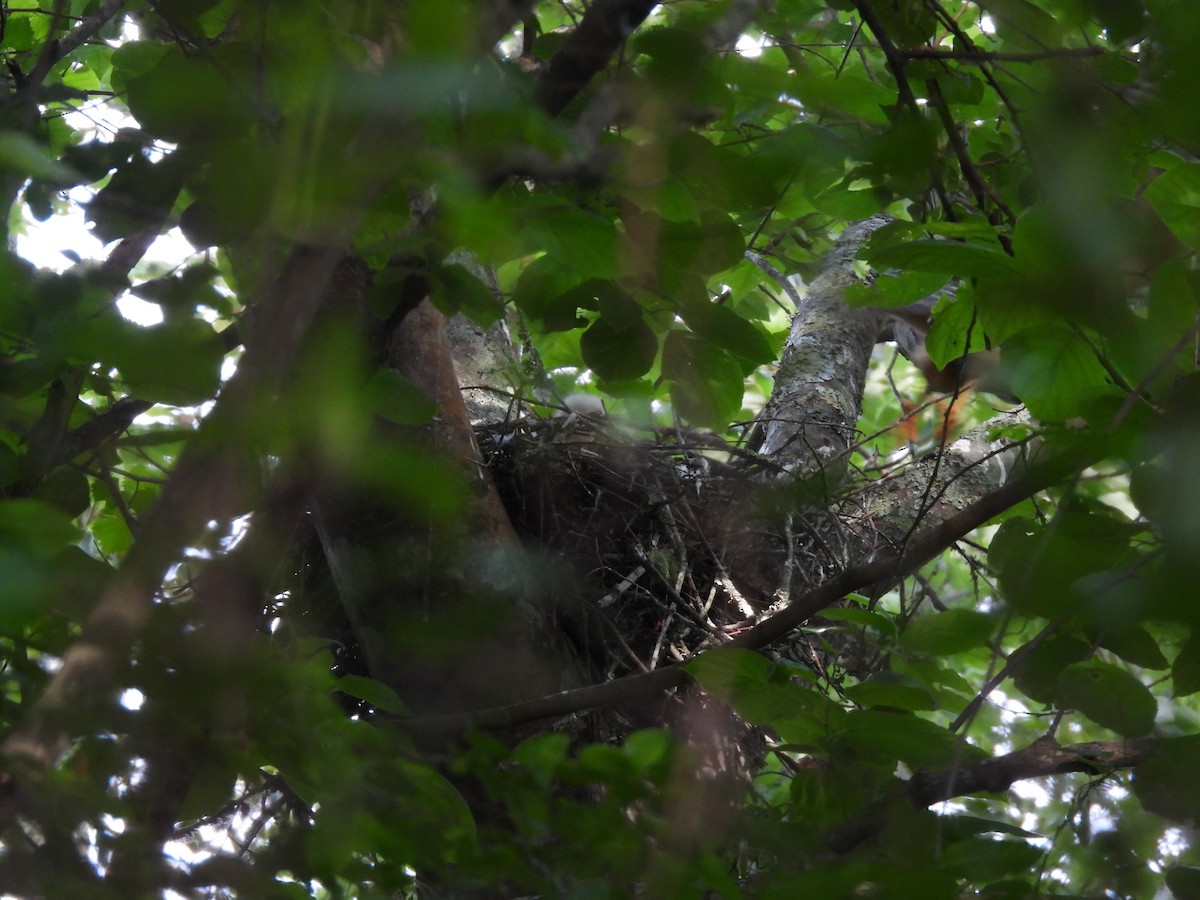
(783, 280)
(981, 57)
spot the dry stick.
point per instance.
(921, 548)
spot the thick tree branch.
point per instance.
(602, 31)
(811, 417)
(1041, 759)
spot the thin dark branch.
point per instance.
(982, 57)
(965, 164)
(895, 59)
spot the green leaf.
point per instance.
(649, 749)
(543, 754)
(946, 258)
(395, 398)
(1184, 882)
(723, 327)
(177, 362)
(1109, 696)
(22, 155)
(892, 289)
(761, 691)
(1041, 566)
(956, 330)
(619, 352)
(1166, 782)
(914, 741)
(1054, 371)
(1037, 675)
(67, 489)
(706, 381)
(1175, 196)
(455, 289)
(983, 860)
(1185, 671)
(184, 97)
(727, 669)
(863, 617)
(35, 528)
(952, 631)
(378, 694)
(893, 691)
(956, 827)
(1134, 644)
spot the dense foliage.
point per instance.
(194, 701)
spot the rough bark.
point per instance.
(811, 418)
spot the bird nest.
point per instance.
(665, 543)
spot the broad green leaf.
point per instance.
(1184, 882)
(1175, 195)
(892, 691)
(956, 329)
(1134, 644)
(1037, 674)
(66, 488)
(1165, 783)
(204, 96)
(177, 362)
(1109, 696)
(955, 827)
(378, 694)
(982, 859)
(35, 528)
(398, 400)
(25, 586)
(543, 754)
(1185, 671)
(759, 690)
(726, 669)
(952, 631)
(1041, 566)
(648, 748)
(727, 330)
(456, 289)
(864, 617)
(1054, 371)
(619, 352)
(946, 258)
(891, 289)
(21, 155)
(901, 736)
(706, 380)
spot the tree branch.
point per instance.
(811, 416)
(1043, 758)
(602, 31)
(980, 57)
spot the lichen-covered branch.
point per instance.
(811, 418)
